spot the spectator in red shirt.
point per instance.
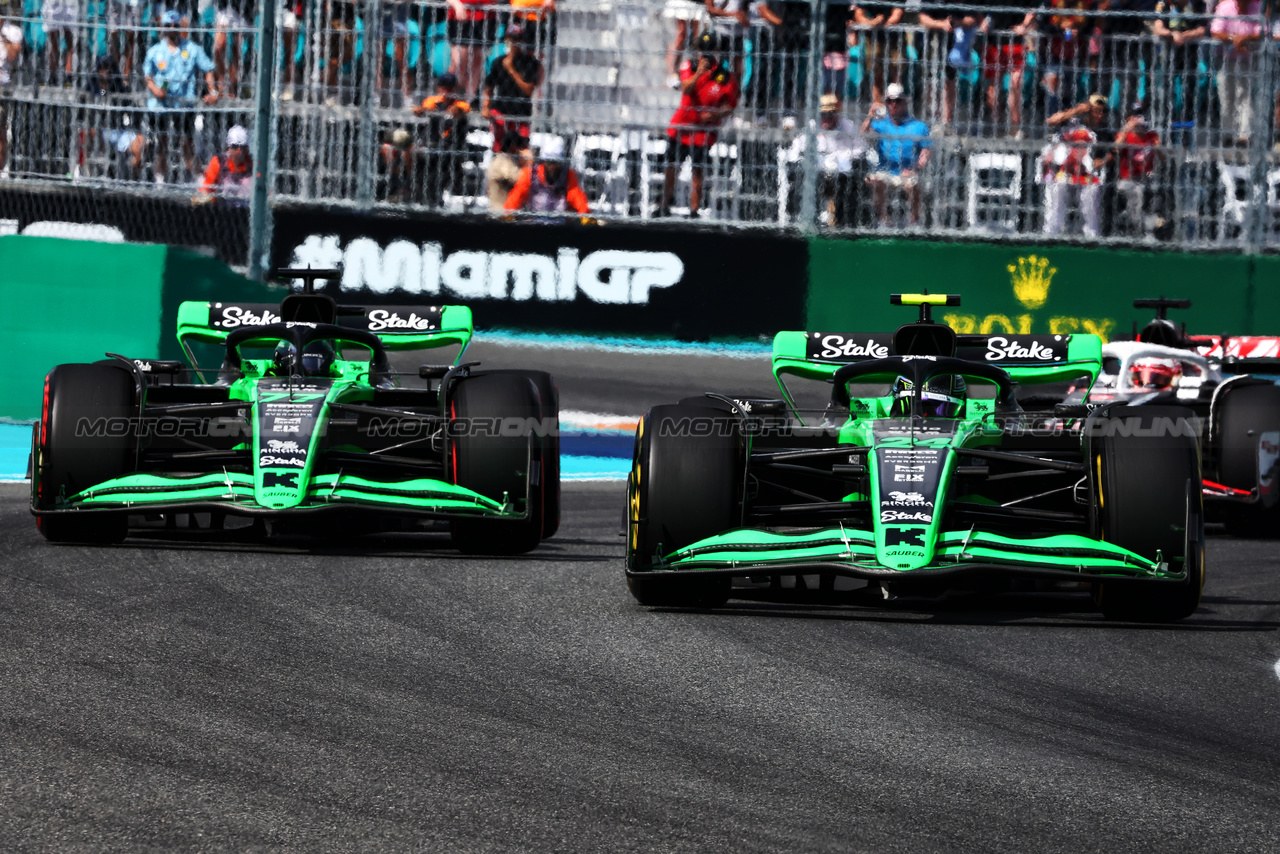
(230, 174)
(1137, 158)
(548, 185)
(709, 91)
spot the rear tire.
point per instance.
(1150, 501)
(1243, 418)
(69, 462)
(496, 465)
(682, 488)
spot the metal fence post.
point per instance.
(1263, 97)
(807, 217)
(366, 149)
(263, 154)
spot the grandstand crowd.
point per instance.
(1099, 103)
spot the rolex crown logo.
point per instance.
(1031, 278)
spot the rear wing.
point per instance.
(400, 327)
(1029, 359)
(1240, 353)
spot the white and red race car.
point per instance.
(1230, 382)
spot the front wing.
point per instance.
(852, 552)
(233, 493)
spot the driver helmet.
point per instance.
(318, 358)
(942, 396)
(1154, 374)
(284, 361)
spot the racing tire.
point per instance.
(548, 448)
(1243, 419)
(494, 465)
(681, 489)
(67, 463)
(1148, 500)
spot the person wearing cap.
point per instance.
(230, 174)
(1071, 175)
(504, 168)
(902, 151)
(840, 157)
(1094, 113)
(444, 133)
(507, 100)
(548, 185)
(169, 70)
(1137, 157)
(709, 92)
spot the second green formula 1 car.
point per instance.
(923, 475)
(305, 426)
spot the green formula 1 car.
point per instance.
(304, 425)
(924, 475)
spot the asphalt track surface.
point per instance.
(204, 694)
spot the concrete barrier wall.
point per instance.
(73, 301)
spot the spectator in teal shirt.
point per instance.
(170, 69)
(902, 150)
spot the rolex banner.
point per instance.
(1017, 290)
(694, 283)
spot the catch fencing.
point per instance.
(1178, 151)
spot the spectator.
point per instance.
(890, 41)
(1137, 158)
(10, 53)
(839, 33)
(289, 29)
(548, 185)
(394, 27)
(902, 149)
(124, 17)
(508, 89)
(540, 16)
(1005, 53)
(709, 92)
(1181, 32)
(1069, 172)
(966, 29)
(1127, 54)
(60, 19)
(731, 20)
(688, 17)
(434, 158)
(1066, 49)
(170, 68)
(233, 20)
(230, 174)
(512, 156)
(340, 45)
(471, 32)
(840, 153)
(1093, 113)
(106, 90)
(1239, 36)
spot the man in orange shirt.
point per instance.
(230, 174)
(549, 185)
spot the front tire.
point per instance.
(1149, 501)
(682, 488)
(496, 465)
(71, 459)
